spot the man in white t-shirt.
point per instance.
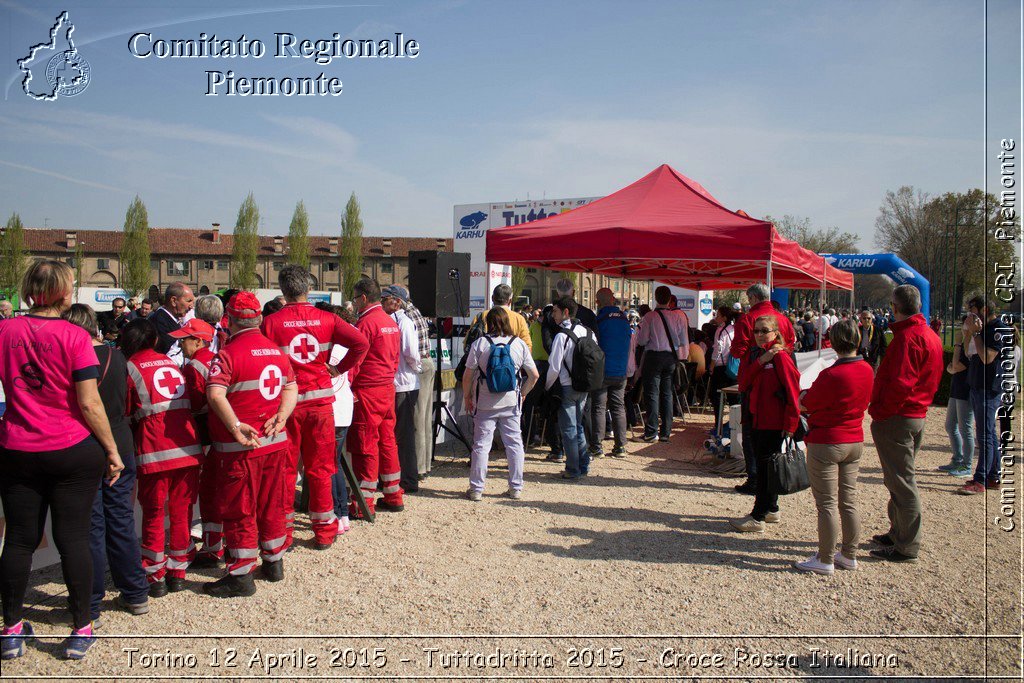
(571, 411)
(407, 385)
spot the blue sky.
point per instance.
(806, 108)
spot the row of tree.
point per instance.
(135, 253)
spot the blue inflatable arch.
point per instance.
(884, 264)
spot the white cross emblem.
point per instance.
(271, 382)
(304, 348)
(169, 383)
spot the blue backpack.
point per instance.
(501, 373)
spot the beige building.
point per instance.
(202, 259)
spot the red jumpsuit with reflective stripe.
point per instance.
(305, 334)
(371, 438)
(254, 372)
(168, 454)
(196, 370)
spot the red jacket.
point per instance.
(165, 435)
(254, 372)
(910, 372)
(381, 362)
(837, 400)
(773, 390)
(196, 370)
(305, 333)
(743, 330)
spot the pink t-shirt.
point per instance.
(40, 361)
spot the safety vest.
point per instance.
(254, 372)
(306, 334)
(196, 371)
(161, 414)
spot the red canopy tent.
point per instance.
(668, 228)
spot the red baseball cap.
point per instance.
(244, 301)
(200, 329)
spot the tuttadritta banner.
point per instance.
(472, 221)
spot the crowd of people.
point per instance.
(222, 400)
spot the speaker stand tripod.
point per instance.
(441, 409)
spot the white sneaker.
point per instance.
(474, 495)
(514, 494)
(843, 562)
(747, 525)
(773, 517)
(812, 564)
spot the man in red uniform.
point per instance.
(195, 339)
(742, 342)
(305, 334)
(251, 391)
(371, 439)
(904, 388)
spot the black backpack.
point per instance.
(587, 372)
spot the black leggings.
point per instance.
(63, 483)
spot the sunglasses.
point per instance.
(763, 330)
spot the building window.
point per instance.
(387, 267)
(154, 264)
(222, 265)
(103, 264)
(278, 265)
(70, 260)
(207, 265)
(531, 270)
(331, 266)
(178, 268)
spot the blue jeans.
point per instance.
(112, 536)
(657, 374)
(339, 489)
(985, 404)
(570, 424)
(960, 428)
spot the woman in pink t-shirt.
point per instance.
(55, 445)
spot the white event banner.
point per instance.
(472, 221)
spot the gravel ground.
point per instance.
(632, 572)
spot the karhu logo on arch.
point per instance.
(55, 68)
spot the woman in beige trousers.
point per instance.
(835, 406)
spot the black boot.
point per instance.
(175, 584)
(272, 571)
(157, 589)
(231, 586)
(205, 561)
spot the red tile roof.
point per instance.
(199, 242)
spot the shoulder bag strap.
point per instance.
(668, 332)
(106, 366)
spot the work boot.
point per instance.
(231, 586)
(157, 589)
(205, 561)
(385, 506)
(272, 571)
(175, 584)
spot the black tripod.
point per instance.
(441, 409)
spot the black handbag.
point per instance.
(789, 469)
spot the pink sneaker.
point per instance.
(971, 488)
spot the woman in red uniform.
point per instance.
(769, 377)
(835, 406)
(168, 453)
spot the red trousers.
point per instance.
(311, 435)
(209, 510)
(250, 489)
(175, 489)
(371, 441)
